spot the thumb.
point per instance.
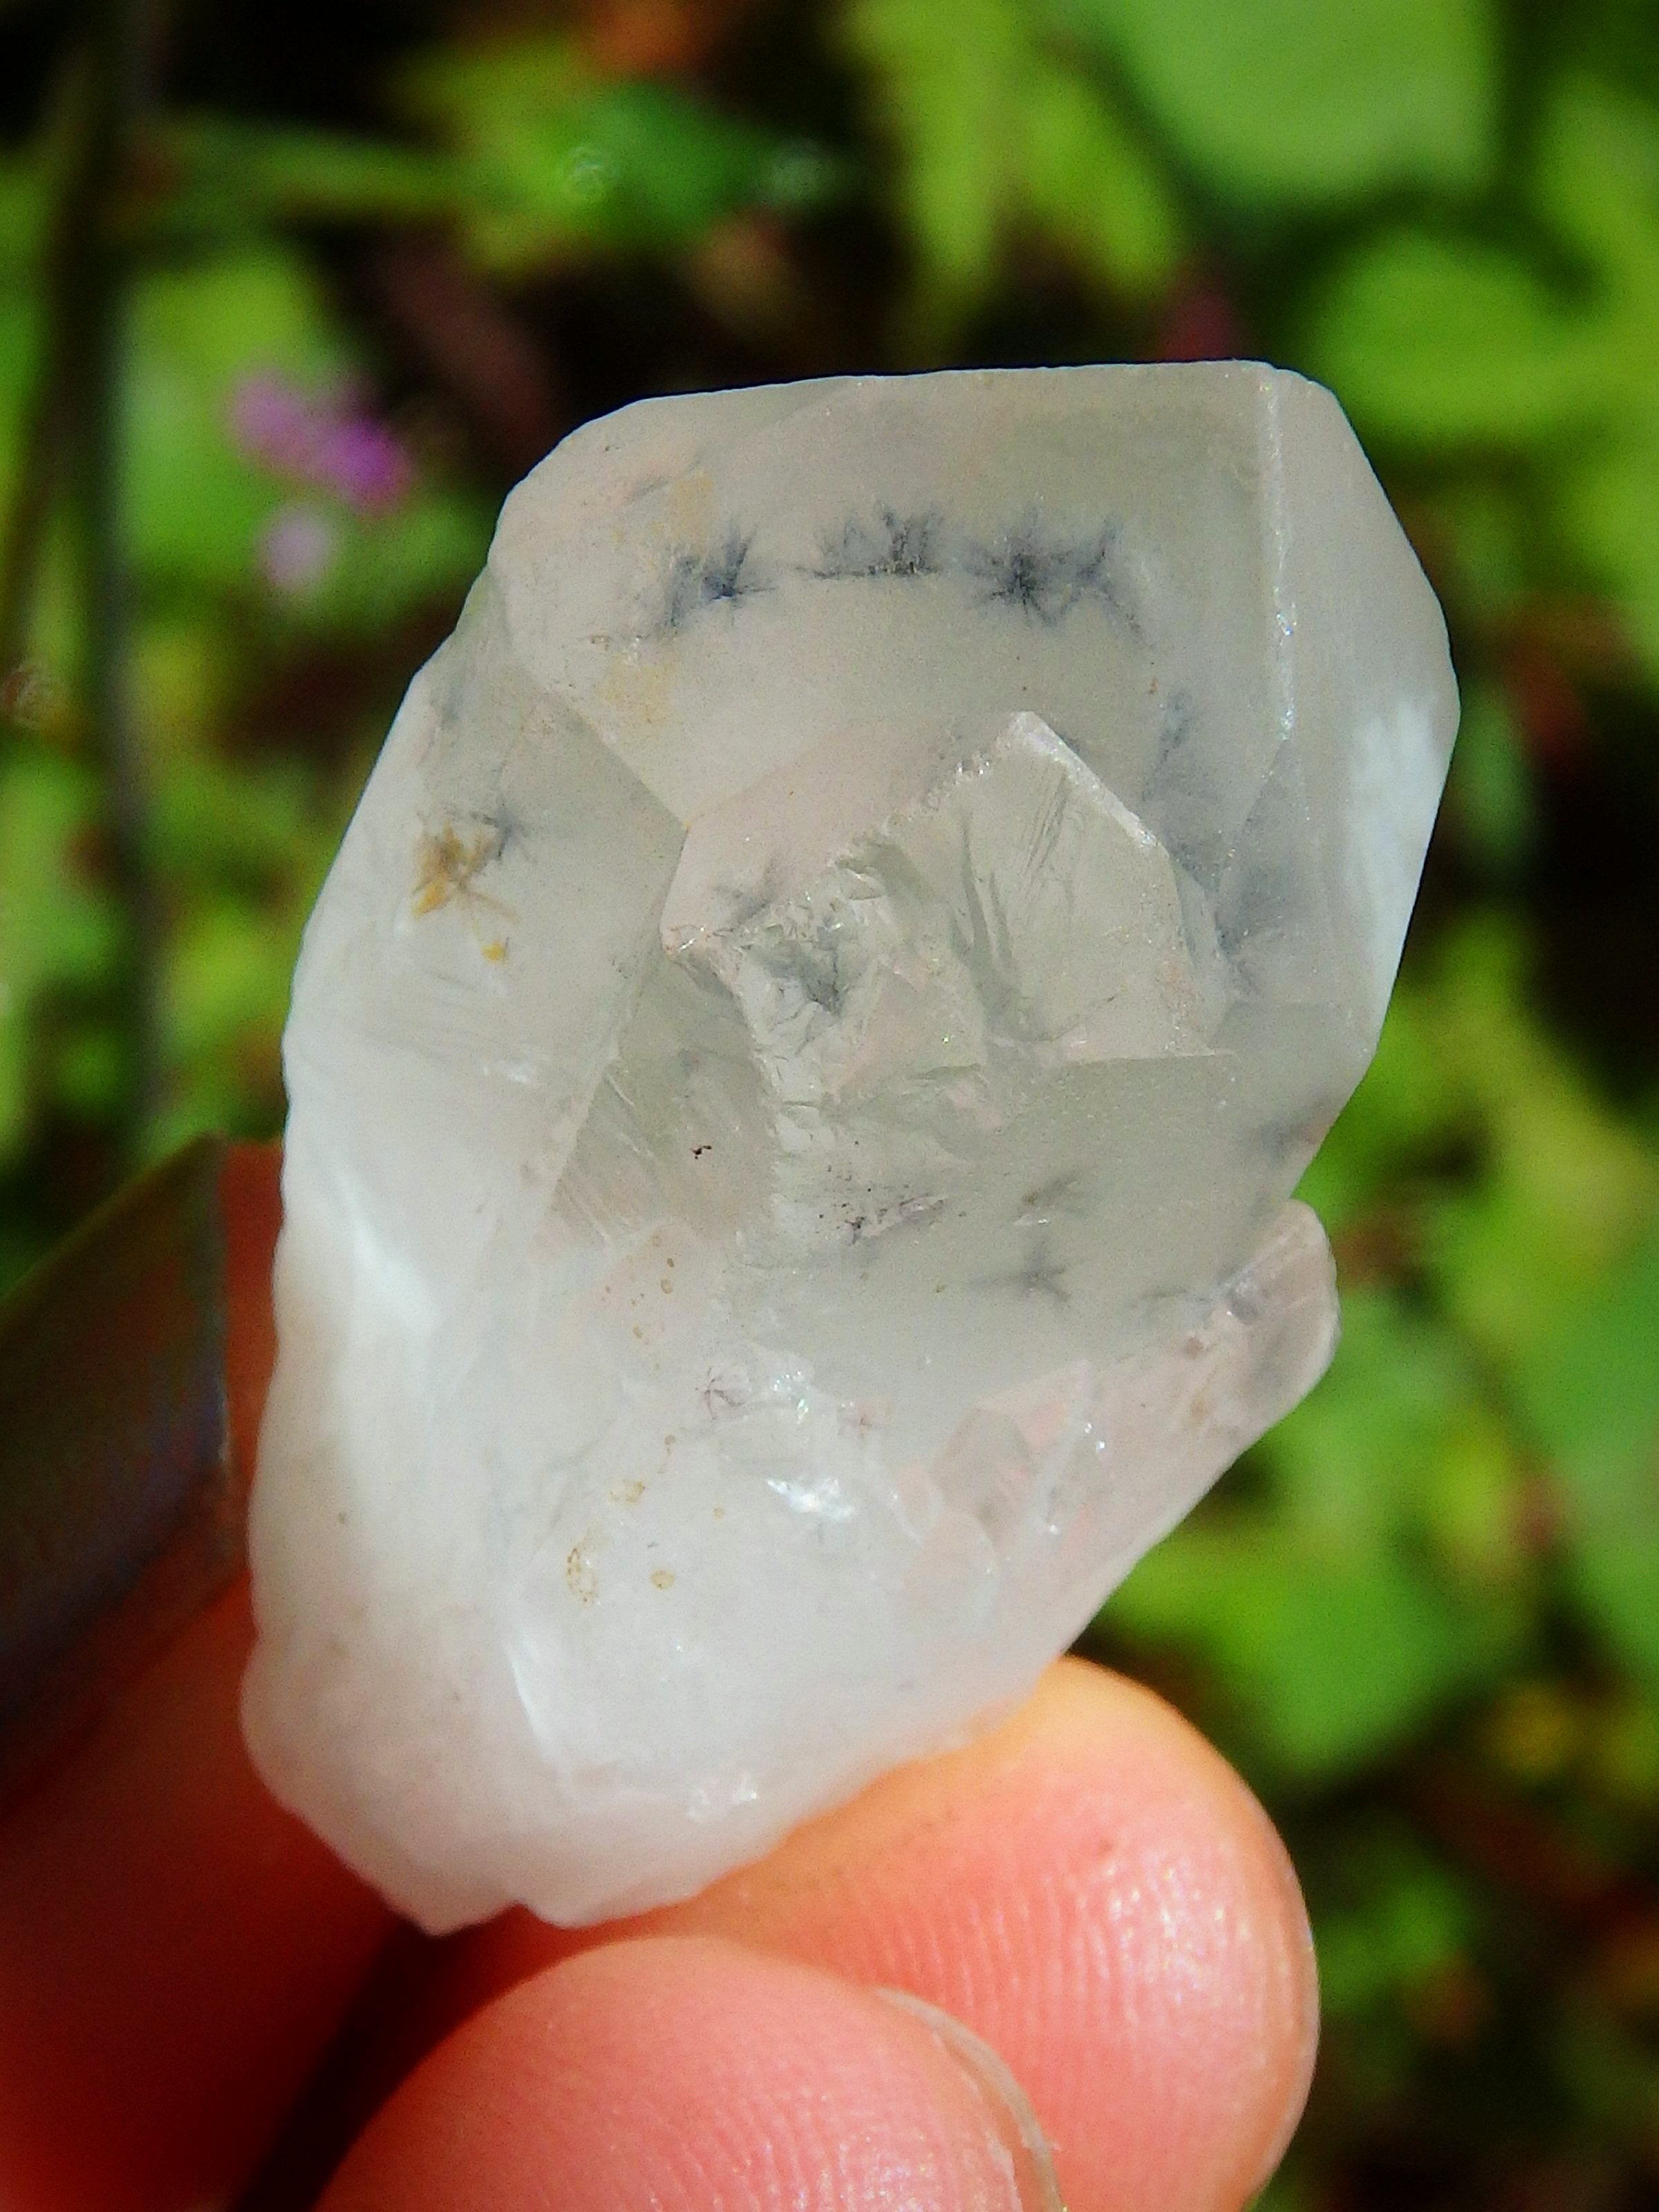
(691, 2075)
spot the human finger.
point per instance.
(1089, 1888)
(691, 2075)
(174, 1949)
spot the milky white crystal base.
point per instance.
(796, 1076)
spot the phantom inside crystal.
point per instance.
(797, 1077)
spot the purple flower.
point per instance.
(326, 441)
(269, 420)
(297, 549)
(361, 460)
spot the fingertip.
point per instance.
(1198, 1932)
(688, 2073)
(1096, 1892)
(1093, 1890)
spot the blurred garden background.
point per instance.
(289, 294)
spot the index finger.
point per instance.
(175, 1950)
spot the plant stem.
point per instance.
(46, 425)
(22, 552)
(96, 492)
(77, 448)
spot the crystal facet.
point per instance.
(796, 1075)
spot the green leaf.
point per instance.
(428, 548)
(1597, 183)
(1339, 1614)
(947, 82)
(1303, 101)
(1398, 1450)
(22, 216)
(1594, 1405)
(1350, 1462)
(550, 155)
(228, 175)
(1405, 1106)
(1442, 342)
(1598, 186)
(228, 973)
(55, 928)
(1490, 797)
(1490, 532)
(1092, 185)
(1607, 504)
(1334, 1658)
(993, 130)
(1286, 2192)
(1564, 1183)
(1409, 1920)
(251, 824)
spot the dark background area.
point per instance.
(289, 297)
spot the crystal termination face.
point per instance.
(796, 1075)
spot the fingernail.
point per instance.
(120, 1500)
(1019, 2139)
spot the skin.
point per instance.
(1088, 1887)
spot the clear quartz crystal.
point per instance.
(796, 1075)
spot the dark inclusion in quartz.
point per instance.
(890, 544)
(1046, 577)
(726, 572)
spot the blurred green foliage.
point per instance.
(380, 256)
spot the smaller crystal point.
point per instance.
(796, 1074)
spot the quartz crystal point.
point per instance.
(796, 1075)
